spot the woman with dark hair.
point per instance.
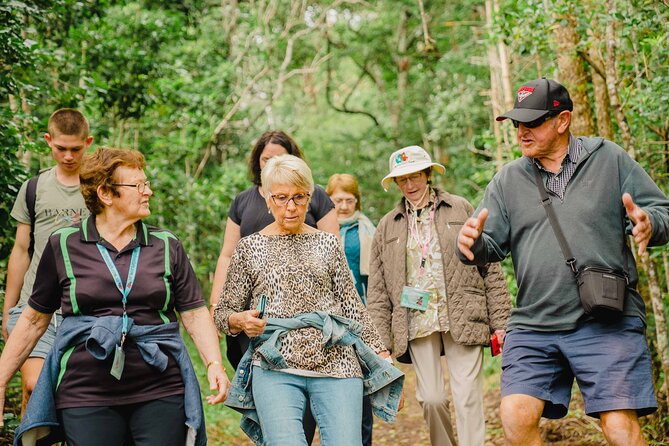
(119, 368)
(248, 215)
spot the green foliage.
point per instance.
(195, 210)
(12, 174)
(221, 421)
(16, 53)
(193, 83)
(123, 57)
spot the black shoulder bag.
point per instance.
(602, 290)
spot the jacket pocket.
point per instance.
(392, 240)
(474, 304)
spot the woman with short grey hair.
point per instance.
(310, 332)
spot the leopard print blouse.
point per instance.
(298, 273)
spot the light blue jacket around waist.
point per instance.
(381, 381)
(101, 335)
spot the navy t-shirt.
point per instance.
(249, 210)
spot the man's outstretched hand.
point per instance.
(643, 227)
(470, 232)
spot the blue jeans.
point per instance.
(281, 399)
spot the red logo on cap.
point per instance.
(556, 103)
(524, 92)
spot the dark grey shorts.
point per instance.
(610, 362)
(45, 343)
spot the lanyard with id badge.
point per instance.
(414, 297)
(119, 355)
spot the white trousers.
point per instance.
(465, 371)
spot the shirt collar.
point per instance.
(89, 232)
(574, 150)
(441, 197)
(572, 156)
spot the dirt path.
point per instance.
(410, 430)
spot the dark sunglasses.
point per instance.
(537, 122)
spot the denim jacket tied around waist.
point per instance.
(40, 423)
(381, 381)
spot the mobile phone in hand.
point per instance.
(262, 304)
(494, 345)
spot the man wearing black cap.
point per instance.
(599, 195)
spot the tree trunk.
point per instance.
(495, 93)
(82, 71)
(660, 322)
(503, 51)
(508, 133)
(653, 285)
(26, 127)
(500, 99)
(602, 104)
(574, 77)
(402, 72)
(665, 262)
(612, 80)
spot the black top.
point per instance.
(73, 276)
(249, 210)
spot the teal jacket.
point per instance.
(594, 222)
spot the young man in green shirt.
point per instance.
(57, 203)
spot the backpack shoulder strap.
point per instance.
(31, 198)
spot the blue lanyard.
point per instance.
(124, 289)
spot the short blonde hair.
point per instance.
(347, 183)
(287, 169)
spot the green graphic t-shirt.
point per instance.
(56, 206)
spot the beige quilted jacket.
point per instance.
(478, 300)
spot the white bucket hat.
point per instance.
(409, 160)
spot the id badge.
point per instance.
(414, 298)
(118, 364)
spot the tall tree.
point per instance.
(572, 70)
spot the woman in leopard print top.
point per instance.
(300, 270)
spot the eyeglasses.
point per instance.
(414, 178)
(141, 187)
(537, 122)
(298, 199)
(347, 201)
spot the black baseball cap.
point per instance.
(537, 98)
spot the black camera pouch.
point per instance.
(602, 292)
